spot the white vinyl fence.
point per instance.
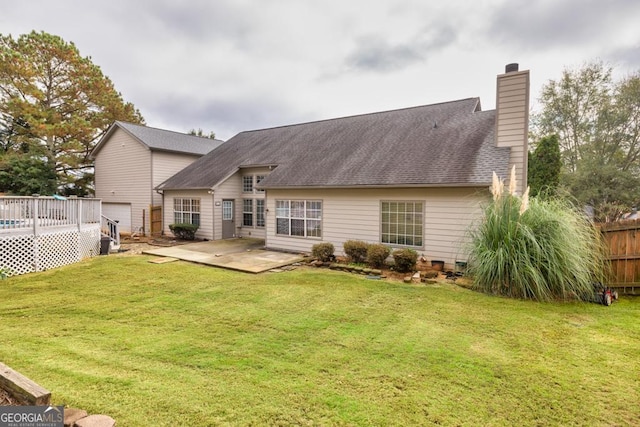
(40, 233)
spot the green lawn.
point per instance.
(182, 344)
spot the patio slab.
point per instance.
(244, 254)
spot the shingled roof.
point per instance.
(162, 140)
(447, 144)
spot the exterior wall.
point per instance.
(205, 231)
(123, 175)
(232, 189)
(354, 214)
(257, 232)
(512, 120)
(163, 166)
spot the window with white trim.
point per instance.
(227, 210)
(299, 218)
(186, 211)
(402, 223)
(260, 220)
(247, 212)
(247, 184)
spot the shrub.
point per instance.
(405, 260)
(541, 249)
(377, 254)
(323, 251)
(356, 250)
(184, 231)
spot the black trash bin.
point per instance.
(105, 242)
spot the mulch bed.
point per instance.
(6, 399)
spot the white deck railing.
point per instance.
(37, 214)
(39, 233)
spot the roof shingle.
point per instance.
(450, 143)
(165, 140)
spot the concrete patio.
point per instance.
(244, 254)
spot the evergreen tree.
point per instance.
(55, 105)
(545, 165)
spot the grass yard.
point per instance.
(183, 344)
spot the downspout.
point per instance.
(213, 213)
(150, 194)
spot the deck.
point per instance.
(40, 233)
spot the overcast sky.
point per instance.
(234, 65)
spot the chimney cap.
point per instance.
(511, 68)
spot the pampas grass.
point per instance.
(535, 249)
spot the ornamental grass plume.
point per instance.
(512, 181)
(535, 249)
(497, 187)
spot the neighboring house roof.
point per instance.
(447, 144)
(162, 140)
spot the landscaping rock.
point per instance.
(376, 272)
(407, 279)
(96, 421)
(71, 415)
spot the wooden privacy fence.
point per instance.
(156, 220)
(623, 239)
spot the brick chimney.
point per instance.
(512, 119)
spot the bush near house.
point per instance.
(184, 231)
(356, 250)
(543, 249)
(405, 260)
(377, 254)
(323, 251)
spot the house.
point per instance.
(131, 160)
(414, 177)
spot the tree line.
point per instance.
(586, 140)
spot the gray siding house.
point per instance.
(131, 160)
(414, 177)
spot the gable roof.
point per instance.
(161, 140)
(442, 144)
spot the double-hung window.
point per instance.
(247, 212)
(402, 223)
(299, 218)
(260, 213)
(186, 211)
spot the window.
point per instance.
(247, 184)
(402, 223)
(259, 179)
(259, 212)
(247, 212)
(227, 210)
(186, 211)
(299, 218)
